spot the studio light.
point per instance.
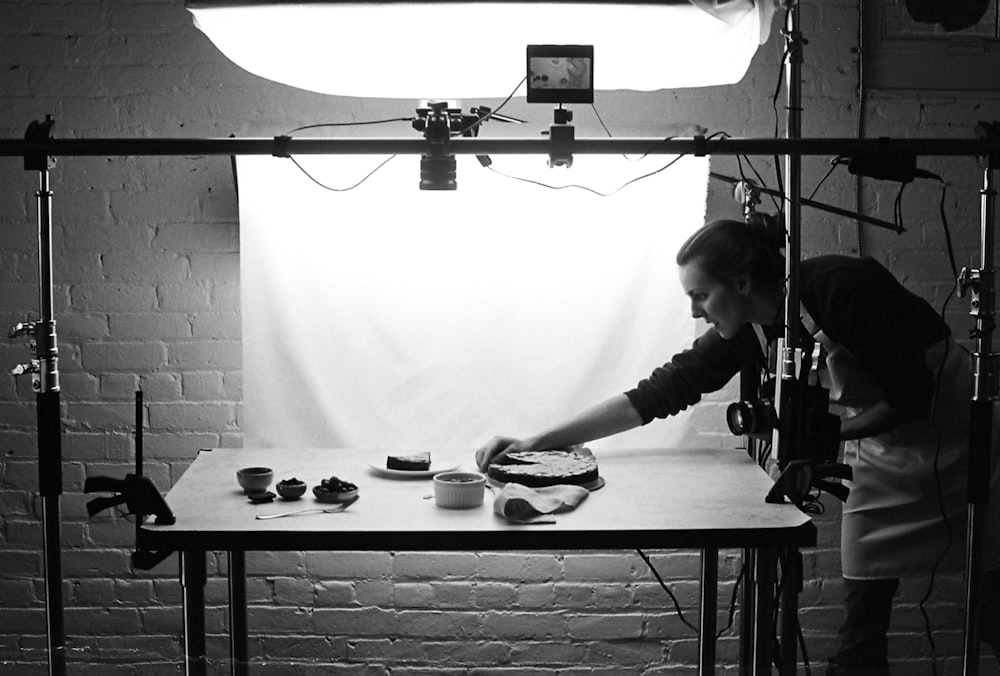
(471, 50)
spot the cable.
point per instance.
(326, 187)
(940, 493)
(677, 605)
(833, 167)
(490, 114)
(624, 185)
(349, 124)
(732, 602)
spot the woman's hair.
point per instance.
(727, 248)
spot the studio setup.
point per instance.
(507, 338)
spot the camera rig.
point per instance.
(797, 410)
(439, 121)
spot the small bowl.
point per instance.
(459, 490)
(255, 479)
(291, 489)
(343, 496)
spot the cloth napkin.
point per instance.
(520, 504)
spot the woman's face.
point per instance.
(723, 304)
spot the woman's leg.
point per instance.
(864, 648)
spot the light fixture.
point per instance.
(442, 49)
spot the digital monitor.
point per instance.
(560, 73)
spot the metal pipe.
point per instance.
(193, 578)
(698, 145)
(707, 610)
(790, 443)
(238, 613)
(980, 421)
(49, 432)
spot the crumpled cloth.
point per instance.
(520, 504)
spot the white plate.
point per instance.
(411, 473)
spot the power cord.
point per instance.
(677, 605)
(718, 136)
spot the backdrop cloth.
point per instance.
(386, 316)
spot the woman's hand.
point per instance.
(497, 448)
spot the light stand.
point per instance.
(984, 381)
(44, 369)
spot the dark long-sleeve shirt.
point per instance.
(857, 303)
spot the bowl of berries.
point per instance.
(335, 489)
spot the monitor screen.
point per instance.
(560, 73)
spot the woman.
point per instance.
(902, 382)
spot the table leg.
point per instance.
(791, 569)
(238, 613)
(193, 581)
(763, 632)
(708, 609)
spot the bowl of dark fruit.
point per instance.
(335, 490)
(291, 489)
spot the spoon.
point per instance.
(322, 510)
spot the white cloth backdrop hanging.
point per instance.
(386, 316)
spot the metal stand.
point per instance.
(985, 381)
(789, 443)
(44, 369)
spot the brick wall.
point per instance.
(146, 254)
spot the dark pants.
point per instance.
(863, 643)
(864, 648)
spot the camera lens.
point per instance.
(739, 417)
(750, 417)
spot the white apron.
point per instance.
(892, 522)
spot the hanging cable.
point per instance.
(331, 189)
(677, 605)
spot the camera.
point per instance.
(754, 417)
(819, 429)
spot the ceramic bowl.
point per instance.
(255, 479)
(459, 490)
(341, 496)
(291, 489)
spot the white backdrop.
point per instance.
(395, 318)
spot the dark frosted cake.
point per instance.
(546, 468)
(415, 462)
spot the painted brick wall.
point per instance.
(147, 295)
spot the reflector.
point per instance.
(453, 50)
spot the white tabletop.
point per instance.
(667, 498)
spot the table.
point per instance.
(704, 499)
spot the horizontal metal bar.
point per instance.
(216, 4)
(504, 146)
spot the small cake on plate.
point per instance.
(416, 462)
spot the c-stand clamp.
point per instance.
(561, 134)
(33, 366)
(141, 497)
(800, 476)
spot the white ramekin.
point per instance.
(459, 490)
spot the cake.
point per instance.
(546, 468)
(415, 463)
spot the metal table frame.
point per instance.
(725, 509)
